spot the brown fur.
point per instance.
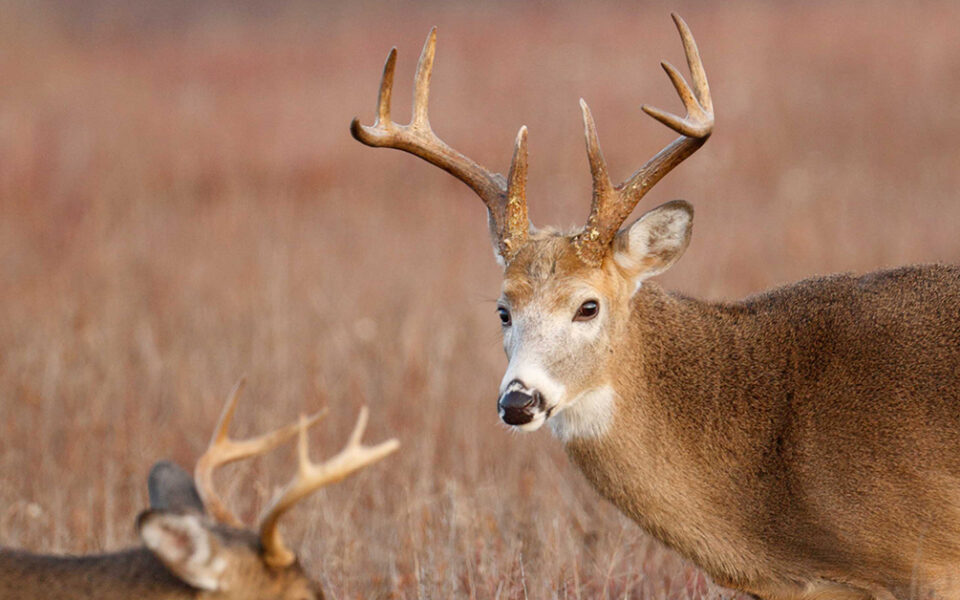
(138, 573)
(133, 573)
(801, 443)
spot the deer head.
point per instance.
(565, 296)
(200, 541)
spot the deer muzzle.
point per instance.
(518, 405)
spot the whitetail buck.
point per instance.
(185, 552)
(801, 443)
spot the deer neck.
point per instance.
(664, 458)
(133, 573)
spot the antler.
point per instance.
(223, 450)
(505, 199)
(613, 204)
(311, 477)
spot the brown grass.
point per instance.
(181, 204)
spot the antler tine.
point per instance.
(699, 75)
(421, 89)
(699, 120)
(514, 217)
(385, 95)
(505, 202)
(222, 450)
(598, 165)
(685, 126)
(311, 477)
(613, 204)
(602, 186)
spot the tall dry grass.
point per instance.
(181, 203)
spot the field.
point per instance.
(181, 204)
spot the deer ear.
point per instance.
(172, 489)
(655, 241)
(185, 546)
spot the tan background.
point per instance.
(181, 203)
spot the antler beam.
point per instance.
(613, 204)
(311, 477)
(505, 198)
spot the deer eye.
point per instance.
(587, 311)
(504, 315)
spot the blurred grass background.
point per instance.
(181, 204)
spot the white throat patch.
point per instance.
(588, 416)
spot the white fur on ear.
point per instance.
(185, 546)
(655, 241)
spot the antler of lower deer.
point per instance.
(310, 477)
(505, 198)
(222, 450)
(613, 204)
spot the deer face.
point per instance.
(220, 561)
(216, 559)
(562, 319)
(558, 318)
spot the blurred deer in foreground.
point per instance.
(801, 443)
(187, 554)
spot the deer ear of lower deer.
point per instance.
(172, 489)
(184, 546)
(652, 243)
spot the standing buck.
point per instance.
(801, 443)
(186, 554)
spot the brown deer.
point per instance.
(186, 553)
(801, 443)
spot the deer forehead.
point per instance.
(547, 274)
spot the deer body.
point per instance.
(788, 441)
(139, 573)
(133, 573)
(800, 444)
(233, 569)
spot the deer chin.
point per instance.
(587, 416)
(538, 418)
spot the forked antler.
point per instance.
(505, 198)
(311, 477)
(223, 450)
(613, 204)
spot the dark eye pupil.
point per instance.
(588, 310)
(504, 315)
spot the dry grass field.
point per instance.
(181, 204)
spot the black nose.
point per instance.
(517, 406)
